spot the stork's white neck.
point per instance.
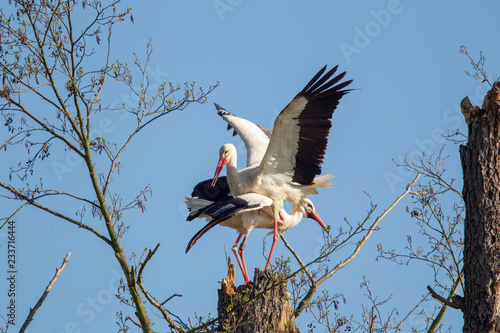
(233, 175)
(231, 165)
(293, 219)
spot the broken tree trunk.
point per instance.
(262, 306)
(481, 167)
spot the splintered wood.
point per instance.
(259, 306)
(227, 285)
(472, 112)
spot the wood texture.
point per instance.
(481, 167)
(268, 313)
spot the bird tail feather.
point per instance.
(323, 181)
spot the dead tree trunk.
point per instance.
(481, 167)
(261, 307)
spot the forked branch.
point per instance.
(150, 298)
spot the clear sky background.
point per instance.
(405, 62)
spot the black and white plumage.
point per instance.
(244, 213)
(256, 139)
(296, 149)
(292, 160)
(225, 210)
(218, 206)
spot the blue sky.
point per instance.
(404, 59)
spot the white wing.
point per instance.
(255, 137)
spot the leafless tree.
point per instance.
(55, 71)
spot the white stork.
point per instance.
(256, 139)
(288, 169)
(243, 213)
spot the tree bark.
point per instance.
(269, 312)
(481, 167)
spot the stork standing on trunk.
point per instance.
(292, 160)
(248, 211)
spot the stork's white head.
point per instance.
(227, 154)
(310, 212)
(228, 151)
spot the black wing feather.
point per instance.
(322, 96)
(220, 211)
(200, 233)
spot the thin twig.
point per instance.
(168, 299)
(134, 322)
(409, 313)
(369, 233)
(62, 216)
(289, 247)
(40, 301)
(359, 245)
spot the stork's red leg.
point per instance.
(266, 212)
(282, 218)
(235, 251)
(275, 238)
(242, 246)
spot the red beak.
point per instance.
(220, 166)
(315, 216)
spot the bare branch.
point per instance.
(289, 247)
(444, 300)
(47, 128)
(46, 292)
(168, 299)
(150, 298)
(21, 196)
(478, 66)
